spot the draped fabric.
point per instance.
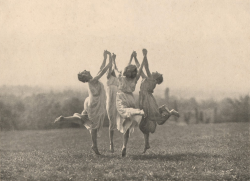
(84, 115)
(92, 117)
(111, 91)
(128, 117)
(96, 109)
(148, 103)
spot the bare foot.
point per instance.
(146, 148)
(123, 152)
(95, 149)
(59, 119)
(175, 113)
(112, 148)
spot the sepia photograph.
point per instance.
(124, 90)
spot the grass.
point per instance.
(194, 152)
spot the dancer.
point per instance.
(94, 111)
(111, 91)
(148, 104)
(128, 117)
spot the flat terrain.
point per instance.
(194, 152)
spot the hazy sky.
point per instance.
(196, 44)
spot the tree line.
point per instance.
(35, 109)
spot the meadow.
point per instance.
(193, 152)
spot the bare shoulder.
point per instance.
(93, 81)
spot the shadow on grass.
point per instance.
(102, 156)
(158, 157)
(14, 151)
(175, 157)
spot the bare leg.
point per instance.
(68, 119)
(93, 133)
(125, 141)
(165, 114)
(146, 139)
(111, 134)
(59, 119)
(160, 120)
(174, 112)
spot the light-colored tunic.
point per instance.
(94, 106)
(84, 115)
(111, 91)
(128, 117)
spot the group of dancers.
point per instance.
(119, 103)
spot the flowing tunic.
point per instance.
(111, 91)
(127, 117)
(94, 106)
(84, 115)
(148, 103)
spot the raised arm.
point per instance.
(104, 60)
(145, 52)
(138, 65)
(111, 68)
(100, 74)
(131, 58)
(113, 58)
(147, 67)
(114, 67)
(140, 69)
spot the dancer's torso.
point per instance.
(112, 81)
(97, 98)
(126, 85)
(148, 85)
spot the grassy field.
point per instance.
(194, 152)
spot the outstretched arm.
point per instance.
(104, 60)
(138, 65)
(100, 74)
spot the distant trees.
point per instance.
(36, 110)
(187, 116)
(167, 95)
(235, 110)
(11, 109)
(209, 111)
(7, 118)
